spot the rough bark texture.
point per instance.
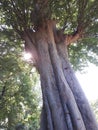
(65, 106)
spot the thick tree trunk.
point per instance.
(63, 99)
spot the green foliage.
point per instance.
(83, 52)
(95, 108)
(19, 94)
(70, 14)
(16, 13)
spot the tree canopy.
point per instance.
(72, 16)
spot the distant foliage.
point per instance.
(19, 94)
(95, 108)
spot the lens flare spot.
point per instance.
(27, 56)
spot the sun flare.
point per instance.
(27, 56)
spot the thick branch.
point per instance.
(73, 38)
(59, 35)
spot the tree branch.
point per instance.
(73, 37)
(59, 36)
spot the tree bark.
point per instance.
(81, 100)
(62, 104)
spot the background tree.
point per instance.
(19, 99)
(64, 104)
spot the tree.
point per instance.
(65, 106)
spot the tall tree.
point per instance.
(65, 106)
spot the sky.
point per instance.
(89, 82)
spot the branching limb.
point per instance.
(59, 36)
(73, 37)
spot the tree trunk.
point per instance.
(81, 100)
(64, 104)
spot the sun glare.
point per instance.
(27, 56)
(89, 82)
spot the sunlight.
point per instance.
(89, 82)
(27, 56)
